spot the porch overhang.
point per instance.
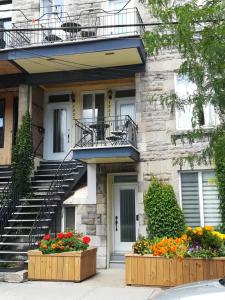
(74, 56)
(117, 154)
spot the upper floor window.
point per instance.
(6, 14)
(184, 89)
(50, 7)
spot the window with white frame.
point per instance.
(199, 198)
(184, 88)
(49, 7)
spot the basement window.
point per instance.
(69, 217)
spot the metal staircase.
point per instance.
(24, 222)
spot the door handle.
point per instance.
(68, 136)
(116, 222)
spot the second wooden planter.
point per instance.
(159, 271)
(66, 266)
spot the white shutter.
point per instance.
(190, 198)
(210, 199)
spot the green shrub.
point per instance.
(165, 218)
(219, 159)
(23, 159)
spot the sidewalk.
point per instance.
(106, 285)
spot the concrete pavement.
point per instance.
(107, 284)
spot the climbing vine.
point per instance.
(23, 159)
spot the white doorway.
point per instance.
(125, 217)
(58, 130)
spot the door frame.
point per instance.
(46, 121)
(123, 185)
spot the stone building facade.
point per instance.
(95, 213)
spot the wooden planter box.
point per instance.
(66, 266)
(159, 271)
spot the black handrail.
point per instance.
(9, 201)
(47, 211)
(107, 131)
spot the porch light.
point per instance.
(110, 93)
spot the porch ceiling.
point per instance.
(103, 59)
(77, 56)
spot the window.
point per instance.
(69, 221)
(49, 7)
(199, 198)
(184, 89)
(93, 107)
(2, 122)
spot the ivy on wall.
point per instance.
(23, 159)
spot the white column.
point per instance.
(91, 182)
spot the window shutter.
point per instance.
(190, 198)
(211, 203)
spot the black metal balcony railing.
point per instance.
(110, 131)
(57, 28)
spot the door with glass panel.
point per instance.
(58, 131)
(93, 114)
(125, 218)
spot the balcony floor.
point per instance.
(106, 154)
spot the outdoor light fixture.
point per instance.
(110, 93)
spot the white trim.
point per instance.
(93, 93)
(180, 190)
(200, 192)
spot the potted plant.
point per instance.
(196, 255)
(173, 254)
(66, 257)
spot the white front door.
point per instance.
(125, 223)
(58, 131)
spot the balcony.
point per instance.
(106, 140)
(64, 28)
(46, 50)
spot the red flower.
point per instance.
(86, 240)
(47, 237)
(60, 235)
(69, 234)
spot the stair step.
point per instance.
(24, 227)
(26, 213)
(50, 181)
(13, 244)
(31, 220)
(34, 206)
(13, 261)
(20, 235)
(12, 252)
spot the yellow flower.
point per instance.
(53, 246)
(198, 229)
(209, 228)
(189, 228)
